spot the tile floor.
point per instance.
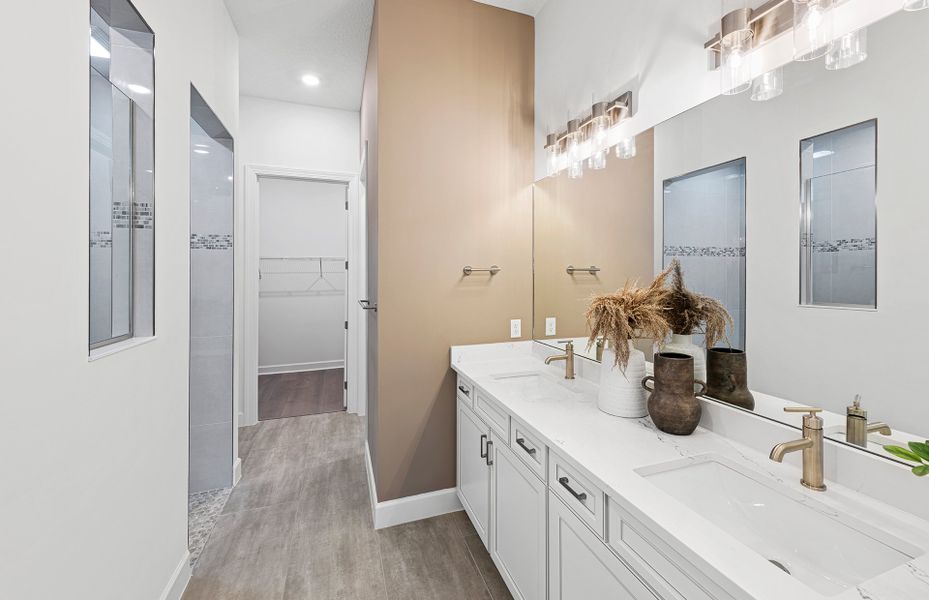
(299, 525)
(297, 394)
(203, 510)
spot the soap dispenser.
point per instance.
(856, 423)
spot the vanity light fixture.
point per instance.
(625, 149)
(598, 133)
(914, 5)
(768, 86)
(848, 50)
(310, 80)
(735, 45)
(573, 147)
(553, 154)
(813, 28)
(588, 139)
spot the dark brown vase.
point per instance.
(673, 405)
(727, 377)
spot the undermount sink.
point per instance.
(823, 549)
(536, 385)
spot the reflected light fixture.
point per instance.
(813, 28)
(625, 149)
(574, 149)
(848, 50)
(735, 45)
(768, 86)
(599, 126)
(138, 89)
(310, 80)
(914, 5)
(552, 154)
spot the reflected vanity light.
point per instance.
(553, 154)
(138, 89)
(848, 50)
(625, 149)
(914, 5)
(574, 149)
(813, 28)
(823, 153)
(768, 86)
(201, 151)
(735, 45)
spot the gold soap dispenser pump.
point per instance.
(856, 423)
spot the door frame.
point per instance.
(249, 354)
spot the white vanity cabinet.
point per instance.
(518, 498)
(474, 468)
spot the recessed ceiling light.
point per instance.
(138, 89)
(199, 151)
(98, 50)
(310, 80)
(823, 153)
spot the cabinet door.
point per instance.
(474, 469)
(580, 565)
(518, 522)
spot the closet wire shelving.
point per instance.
(285, 276)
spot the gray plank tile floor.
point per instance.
(298, 526)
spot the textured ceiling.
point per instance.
(280, 40)
(527, 7)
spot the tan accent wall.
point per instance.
(455, 145)
(605, 219)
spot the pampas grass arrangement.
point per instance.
(690, 312)
(632, 312)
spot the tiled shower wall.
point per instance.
(211, 311)
(704, 228)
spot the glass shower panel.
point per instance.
(704, 228)
(839, 218)
(111, 178)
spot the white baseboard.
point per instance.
(410, 508)
(237, 471)
(322, 365)
(179, 580)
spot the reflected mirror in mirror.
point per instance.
(797, 307)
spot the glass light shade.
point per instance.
(626, 148)
(735, 65)
(553, 160)
(768, 86)
(848, 50)
(914, 5)
(813, 28)
(574, 150)
(599, 143)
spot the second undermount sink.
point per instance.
(536, 385)
(823, 549)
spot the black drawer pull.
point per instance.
(487, 458)
(522, 444)
(464, 390)
(483, 451)
(564, 482)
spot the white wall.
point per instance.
(816, 356)
(94, 494)
(301, 316)
(596, 51)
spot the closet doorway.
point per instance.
(302, 296)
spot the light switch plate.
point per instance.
(516, 328)
(550, 326)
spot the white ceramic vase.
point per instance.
(621, 392)
(684, 344)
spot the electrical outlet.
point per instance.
(550, 326)
(516, 328)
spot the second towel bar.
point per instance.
(591, 269)
(493, 270)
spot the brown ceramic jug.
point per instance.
(727, 377)
(673, 404)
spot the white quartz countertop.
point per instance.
(611, 449)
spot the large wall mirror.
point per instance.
(804, 215)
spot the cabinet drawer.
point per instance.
(466, 391)
(529, 449)
(656, 562)
(493, 415)
(578, 492)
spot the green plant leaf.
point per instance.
(921, 449)
(921, 470)
(904, 454)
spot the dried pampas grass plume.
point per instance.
(629, 313)
(692, 312)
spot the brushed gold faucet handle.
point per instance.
(810, 420)
(803, 409)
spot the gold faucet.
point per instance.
(857, 427)
(568, 357)
(812, 446)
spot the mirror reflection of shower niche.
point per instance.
(122, 173)
(704, 228)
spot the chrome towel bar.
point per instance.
(493, 270)
(591, 269)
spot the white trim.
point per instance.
(237, 471)
(410, 508)
(179, 579)
(249, 354)
(322, 365)
(110, 350)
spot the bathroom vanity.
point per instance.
(573, 503)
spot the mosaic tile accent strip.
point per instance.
(210, 241)
(715, 251)
(203, 509)
(101, 239)
(851, 245)
(143, 215)
(121, 215)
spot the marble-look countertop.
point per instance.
(612, 448)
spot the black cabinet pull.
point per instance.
(464, 390)
(483, 452)
(522, 444)
(487, 458)
(564, 482)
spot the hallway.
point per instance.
(298, 525)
